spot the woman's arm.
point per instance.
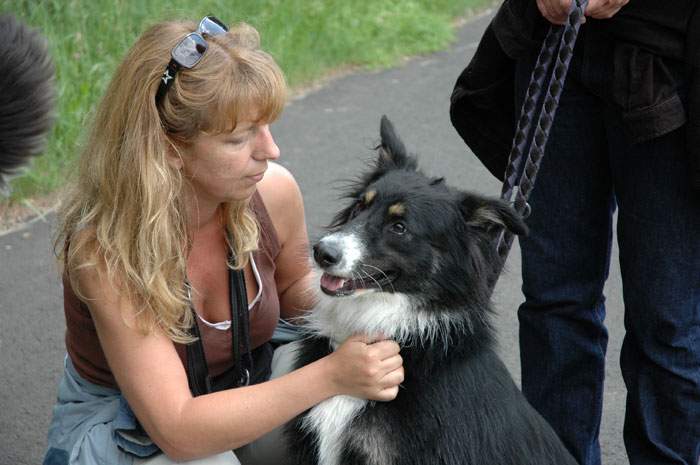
(153, 381)
(296, 285)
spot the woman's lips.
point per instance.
(257, 177)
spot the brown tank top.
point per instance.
(84, 348)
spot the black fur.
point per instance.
(458, 403)
(27, 95)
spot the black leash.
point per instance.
(536, 117)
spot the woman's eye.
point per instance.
(398, 228)
(240, 138)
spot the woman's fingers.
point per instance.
(383, 350)
(368, 370)
(392, 378)
(388, 394)
(392, 363)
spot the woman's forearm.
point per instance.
(229, 419)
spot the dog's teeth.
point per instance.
(332, 283)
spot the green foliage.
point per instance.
(308, 38)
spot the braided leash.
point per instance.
(550, 71)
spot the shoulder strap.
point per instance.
(197, 371)
(198, 378)
(240, 327)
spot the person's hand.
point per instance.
(368, 370)
(604, 9)
(557, 11)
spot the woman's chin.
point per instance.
(243, 193)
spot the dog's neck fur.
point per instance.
(400, 317)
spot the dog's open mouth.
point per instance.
(337, 286)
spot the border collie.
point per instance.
(410, 258)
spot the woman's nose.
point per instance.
(265, 145)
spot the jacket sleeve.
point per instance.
(482, 106)
(693, 124)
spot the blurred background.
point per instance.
(310, 39)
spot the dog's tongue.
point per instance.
(331, 283)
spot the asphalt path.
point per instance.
(325, 136)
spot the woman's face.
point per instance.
(227, 166)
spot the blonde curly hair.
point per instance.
(127, 201)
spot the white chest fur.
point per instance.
(338, 319)
(394, 316)
(329, 420)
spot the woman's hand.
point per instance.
(557, 11)
(368, 370)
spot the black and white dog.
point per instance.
(409, 258)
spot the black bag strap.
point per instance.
(198, 378)
(197, 372)
(536, 117)
(240, 327)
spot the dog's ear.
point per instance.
(487, 213)
(392, 152)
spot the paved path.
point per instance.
(324, 136)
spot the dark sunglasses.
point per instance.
(189, 51)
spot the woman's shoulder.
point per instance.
(87, 269)
(283, 201)
(79, 249)
(83, 263)
(278, 185)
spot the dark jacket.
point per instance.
(656, 66)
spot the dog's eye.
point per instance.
(398, 228)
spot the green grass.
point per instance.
(308, 38)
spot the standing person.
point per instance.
(625, 137)
(619, 141)
(177, 203)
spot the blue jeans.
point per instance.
(590, 170)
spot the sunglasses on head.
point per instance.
(189, 51)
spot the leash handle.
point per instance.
(549, 74)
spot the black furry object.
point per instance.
(27, 95)
(410, 259)
(462, 409)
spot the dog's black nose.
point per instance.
(327, 254)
